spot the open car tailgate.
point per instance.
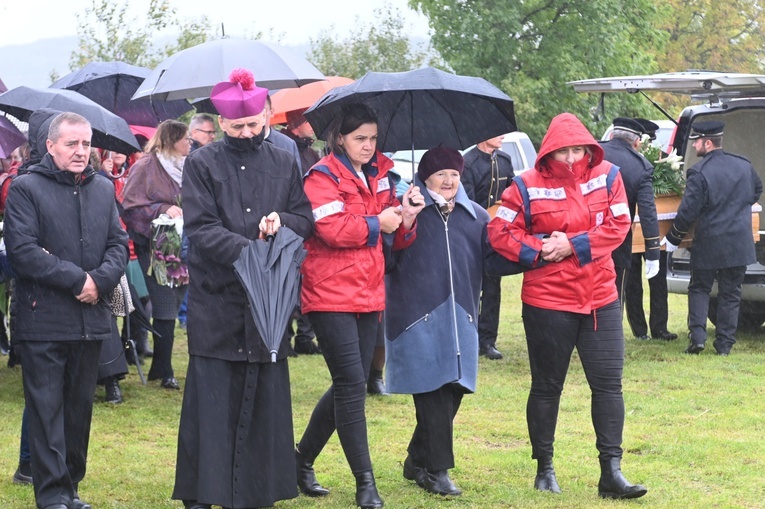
(693, 83)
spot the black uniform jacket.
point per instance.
(483, 181)
(636, 173)
(228, 186)
(56, 230)
(719, 194)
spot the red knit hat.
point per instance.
(239, 97)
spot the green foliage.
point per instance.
(531, 49)
(107, 33)
(381, 46)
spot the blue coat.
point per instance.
(433, 290)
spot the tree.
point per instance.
(382, 46)
(107, 33)
(530, 49)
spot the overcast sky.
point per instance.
(26, 21)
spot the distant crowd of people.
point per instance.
(76, 219)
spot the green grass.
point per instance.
(694, 434)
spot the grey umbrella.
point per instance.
(270, 273)
(422, 109)
(110, 132)
(112, 84)
(193, 72)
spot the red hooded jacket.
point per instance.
(345, 267)
(587, 202)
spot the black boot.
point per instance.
(306, 477)
(613, 484)
(366, 491)
(412, 472)
(23, 474)
(306, 347)
(375, 383)
(113, 392)
(545, 479)
(438, 482)
(142, 344)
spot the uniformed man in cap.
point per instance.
(636, 172)
(633, 285)
(719, 194)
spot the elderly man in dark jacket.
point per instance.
(68, 252)
(636, 173)
(719, 194)
(235, 442)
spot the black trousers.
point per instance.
(633, 297)
(728, 302)
(598, 338)
(347, 342)
(162, 360)
(432, 443)
(59, 385)
(488, 319)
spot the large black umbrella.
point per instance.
(112, 84)
(422, 109)
(110, 132)
(193, 72)
(270, 273)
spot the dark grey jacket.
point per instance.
(484, 181)
(719, 194)
(56, 230)
(636, 173)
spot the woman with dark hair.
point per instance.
(354, 204)
(564, 218)
(154, 188)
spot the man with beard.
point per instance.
(719, 194)
(235, 441)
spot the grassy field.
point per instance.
(694, 434)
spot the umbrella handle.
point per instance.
(273, 355)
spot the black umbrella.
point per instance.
(193, 72)
(110, 132)
(270, 273)
(422, 109)
(112, 84)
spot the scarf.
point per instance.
(173, 165)
(445, 207)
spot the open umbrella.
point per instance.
(193, 72)
(291, 99)
(10, 137)
(422, 109)
(270, 273)
(112, 84)
(110, 132)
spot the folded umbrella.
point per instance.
(110, 132)
(270, 273)
(10, 137)
(193, 72)
(112, 85)
(422, 109)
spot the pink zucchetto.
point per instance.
(238, 97)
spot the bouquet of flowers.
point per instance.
(668, 175)
(165, 263)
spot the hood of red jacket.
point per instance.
(566, 130)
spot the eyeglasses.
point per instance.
(208, 133)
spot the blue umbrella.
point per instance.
(112, 84)
(270, 273)
(421, 109)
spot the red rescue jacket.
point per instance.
(587, 202)
(345, 267)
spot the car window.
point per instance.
(512, 151)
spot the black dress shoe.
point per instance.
(113, 392)
(665, 335)
(694, 348)
(306, 347)
(411, 471)
(170, 383)
(189, 504)
(57, 506)
(438, 483)
(490, 352)
(723, 353)
(79, 504)
(306, 477)
(376, 386)
(642, 337)
(366, 491)
(23, 474)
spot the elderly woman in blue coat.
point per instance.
(433, 292)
